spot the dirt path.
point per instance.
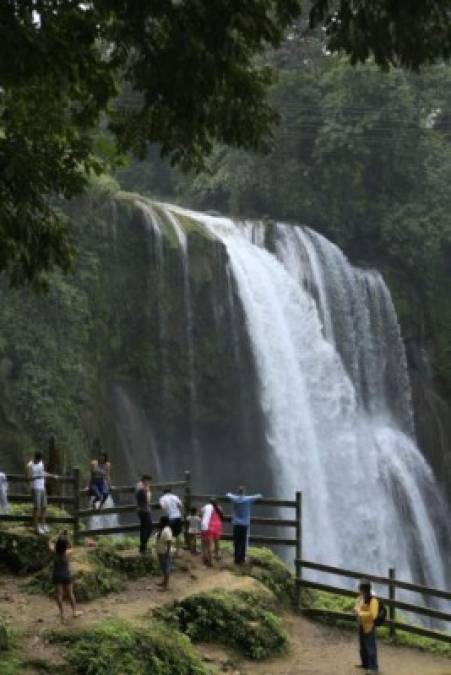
(315, 649)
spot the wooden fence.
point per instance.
(77, 517)
(392, 584)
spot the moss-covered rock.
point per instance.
(239, 619)
(121, 648)
(22, 551)
(271, 571)
(124, 560)
(91, 579)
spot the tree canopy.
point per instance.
(183, 74)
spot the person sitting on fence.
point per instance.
(193, 523)
(143, 497)
(100, 483)
(172, 507)
(4, 506)
(211, 527)
(241, 520)
(62, 575)
(164, 548)
(36, 473)
(367, 609)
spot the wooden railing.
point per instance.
(392, 584)
(78, 515)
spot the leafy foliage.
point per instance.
(407, 34)
(120, 648)
(187, 86)
(239, 619)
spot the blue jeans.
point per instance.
(368, 649)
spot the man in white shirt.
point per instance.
(37, 475)
(172, 507)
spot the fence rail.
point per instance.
(392, 603)
(78, 516)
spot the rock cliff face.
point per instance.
(137, 348)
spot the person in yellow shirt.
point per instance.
(366, 610)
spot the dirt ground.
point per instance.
(314, 649)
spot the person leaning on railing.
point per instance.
(36, 473)
(143, 496)
(241, 520)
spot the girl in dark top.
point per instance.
(62, 575)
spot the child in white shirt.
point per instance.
(194, 522)
(163, 541)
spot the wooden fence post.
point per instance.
(187, 503)
(392, 596)
(298, 566)
(76, 505)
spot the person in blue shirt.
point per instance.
(241, 519)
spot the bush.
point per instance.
(120, 648)
(118, 556)
(271, 571)
(91, 580)
(240, 619)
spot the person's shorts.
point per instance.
(164, 560)
(176, 525)
(99, 489)
(39, 499)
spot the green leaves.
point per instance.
(190, 81)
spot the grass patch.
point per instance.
(263, 565)
(121, 648)
(241, 620)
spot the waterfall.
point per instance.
(335, 393)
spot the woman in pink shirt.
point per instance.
(211, 530)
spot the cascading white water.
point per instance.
(335, 394)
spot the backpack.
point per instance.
(381, 613)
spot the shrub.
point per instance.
(121, 648)
(240, 619)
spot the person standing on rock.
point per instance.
(172, 507)
(241, 520)
(143, 496)
(366, 610)
(36, 473)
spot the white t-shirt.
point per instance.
(37, 475)
(206, 512)
(193, 524)
(163, 539)
(171, 505)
